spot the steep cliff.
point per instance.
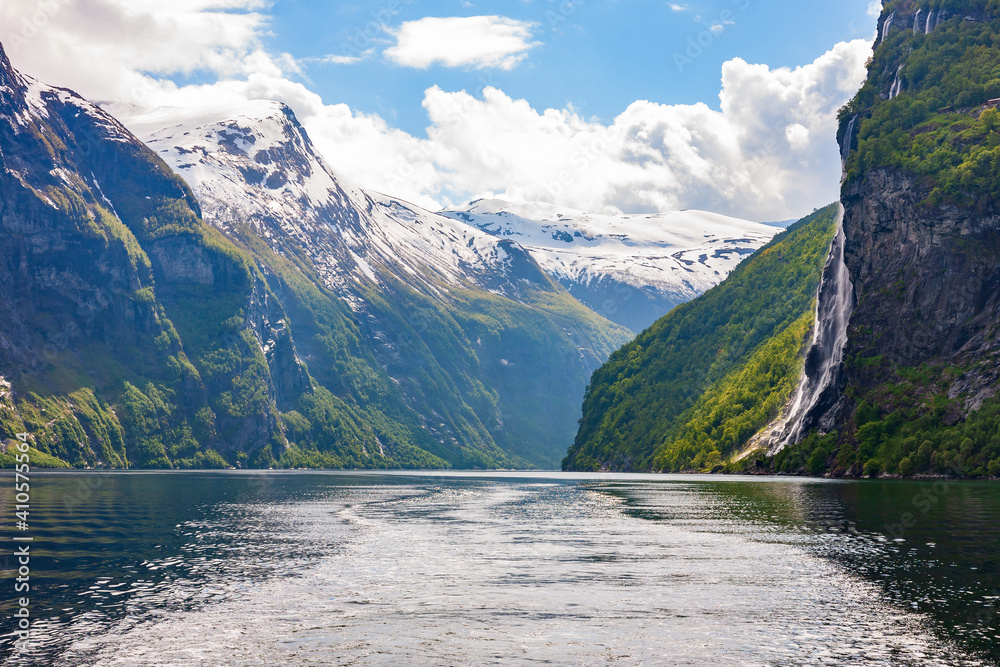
(132, 333)
(692, 390)
(456, 336)
(921, 199)
(311, 324)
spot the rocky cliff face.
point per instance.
(928, 278)
(460, 335)
(922, 230)
(928, 285)
(103, 258)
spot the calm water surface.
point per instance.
(364, 569)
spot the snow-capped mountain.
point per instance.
(104, 262)
(486, 349)
(254, 164)
(631, 269)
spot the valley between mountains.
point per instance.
(198, 287)
(892, 367)
(211, 293)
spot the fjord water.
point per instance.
(387, 569)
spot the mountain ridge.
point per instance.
(404, 272)
(631, 269)
(213, 347)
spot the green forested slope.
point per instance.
(694, 387)
(936, 127)
(134, 334)
(922, 205)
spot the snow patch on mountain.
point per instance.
(253, 164)
(629, 268)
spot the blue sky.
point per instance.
(598, 56)
(629, 106)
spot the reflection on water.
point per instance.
(317, 569)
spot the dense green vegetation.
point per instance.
(937, 127)
(904, 426)
(734, 409)
(692, 389)
(918, 419)
(136, 335)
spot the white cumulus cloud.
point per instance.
(768, 152)
(102, 46)
(482, 42)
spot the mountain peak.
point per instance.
(145, 122)
(5, 66)
(11, 83)
(255, 164)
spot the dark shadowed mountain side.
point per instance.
(922, 225)
(470, 342)
(692, 390)
(136, 335)
(131, 332)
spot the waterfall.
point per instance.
(930, 23)
(820, 387)
(916, 22)
(845, 144)
(886, 26)
(897, 85)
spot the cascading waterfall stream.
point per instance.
(897, 84)
(934, 19)
(845, 145)
(886, 26)
(819, 389)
